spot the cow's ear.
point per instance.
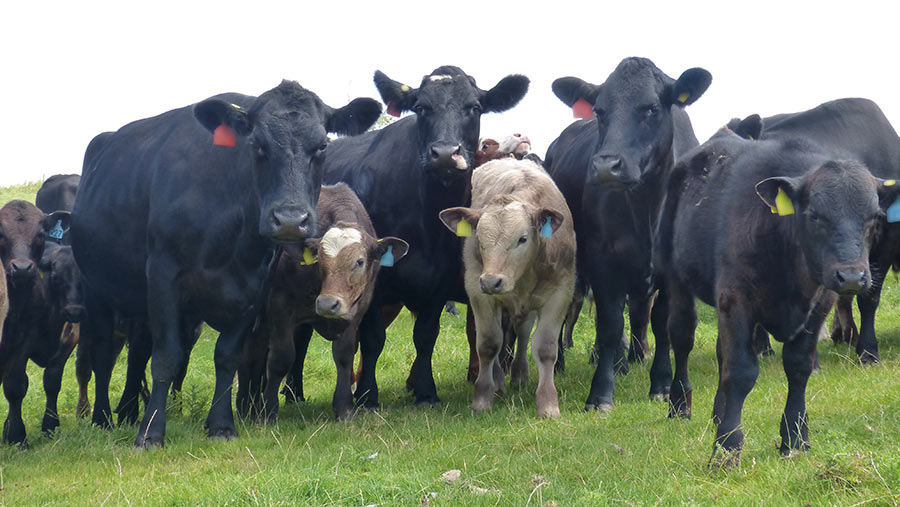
(689, 86)
(398, 96)
(212, 113)
(889, 198)
(547, 221)
(460, 221)
(748, 128)
(572, 89)
(57, 223)
(780, 194)
(505, 94)
(354, 118)
(389, 250)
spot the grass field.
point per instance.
(397, 456)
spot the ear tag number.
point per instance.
(387, 260)
(783, 204)
(582, 109)
(308, 258)
(463, 229)
(224, 136)
(893, 212)
(547, 229)
(57, 231)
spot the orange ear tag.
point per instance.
(582, 109)
(224, 136)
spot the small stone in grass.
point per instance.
(451, 476)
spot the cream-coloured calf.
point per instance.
(520, 257)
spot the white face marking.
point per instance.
(439, 77)
(336, 239)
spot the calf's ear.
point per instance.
(547, 221)
(779, 193)
(390, 250)
(689, 86)
(354, 118)
(505, 94)
(398, 96)
(748, 128)
(460, 221)
(889, 198)
(213, 113)
(57, 223)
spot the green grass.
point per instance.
(634, 454)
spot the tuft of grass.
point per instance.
(400, 455)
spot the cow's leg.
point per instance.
(508, 348)
(798, 358)
(278, 363)
(761, 342)
(83, 376)
(472, 370)
(867, 301)
(519, 375)
(681, 327)
(544, 347)
(140, 348)
(661, 368)
(572, 315)
(342, 351)
(220, 421)
(15, 386)
(425, 332)
(371, 343)
(98, 331)
(738, 371)
(639, 317)
(560, 365)
(53, 374)
(192, 334)
(488, 322)
(609, 325)
(843, 328)
(293, 384)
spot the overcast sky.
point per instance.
(72, 70)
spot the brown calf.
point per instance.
(520, 258)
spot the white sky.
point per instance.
(72, 70)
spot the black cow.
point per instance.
(405, 174)
(175, 227)
(612, 170)
(768, 232)
(853, 129)
(34, 322)
(57, 193)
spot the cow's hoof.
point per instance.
(867, 358)
(659, 397)
(147, 440)
(724, 458)
(767, 353)
(599, 407)
(428, 402)
(102, 421)
(550, 413)
(223, 433)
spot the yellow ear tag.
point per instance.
(774, 211)
(308, 258)
(404, 88)
(890, 183)
(683, 97)
(783, 203)
(463, 229)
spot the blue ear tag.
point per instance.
(893, 212)
(57, 231)
(547, 229)
(387, 260)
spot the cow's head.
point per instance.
(508, 235)
(633, 109)
(348, 262)
(448, 109)
(23, 231)
(840, 209)
(58, 264)
(284, 134)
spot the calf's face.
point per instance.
(285, 136)
(634, 117)
(23, 230)
(508, 238)
(348, 262)
(64, 281)
(839, 209)
(448, 109)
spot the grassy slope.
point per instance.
(634, 454)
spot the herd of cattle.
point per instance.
(238, 211)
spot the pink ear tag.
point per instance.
(392, 110)
(224, 136)
(582, 109)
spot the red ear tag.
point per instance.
(391, 110)
(582, 109)
(224, 136)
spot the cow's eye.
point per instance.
(360, 262)
(651, 110)
(475, 109)
(420, 109)
(522, 240)
(320, 150)
(258, 150)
